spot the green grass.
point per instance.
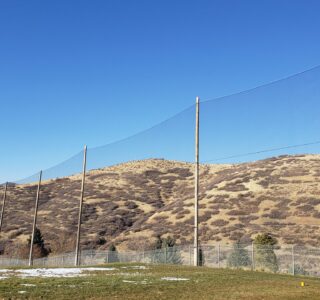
(203, 283)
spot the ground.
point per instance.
(128, 281)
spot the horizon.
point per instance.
(34, 178)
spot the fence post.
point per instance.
(35, 220)
(252, 256)
(293, 262)
(165, 254)
(62, 260)
(218, 255)
(77, 262)
(190, 255)
(3, 204)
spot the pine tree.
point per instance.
(239, 257)
(38, 244)
(38, 239)
(112, 255)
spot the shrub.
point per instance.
(219, 222)
(239, 257)
(166, 251)
(265, 257)
(298, 270)
(131, 205)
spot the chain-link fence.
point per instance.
(294, 260)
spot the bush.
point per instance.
(265, 257)
(239, 257)
(166, 251)
(298, 270)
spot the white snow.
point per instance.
(22, 292)
(135, 282)
(53, 272)
(27, 284)
(135, 267)
(98, 269)
(129, 281)
(3, 277)
(174, 279)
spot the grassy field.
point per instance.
(154, 282)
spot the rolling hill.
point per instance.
(131, 203)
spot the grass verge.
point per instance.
(163, 282)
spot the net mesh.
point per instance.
(132, 177)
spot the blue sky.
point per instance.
(93, 72)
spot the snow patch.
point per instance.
(98, 269)
(174, 279)
(54, 272)
(136, 267)
(135, 282)
(27, 284)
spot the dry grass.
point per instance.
(126, 282)
(142, 199)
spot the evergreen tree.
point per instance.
(201, 257)
(265, 258)
(112, 255)
(37, 239)
(239, 257)
(38, 244)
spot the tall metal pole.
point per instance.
(252, 257)
(196, 188)
(35, 220)
(293, 260)
(80, 206)
(3, 204)
(219, 256)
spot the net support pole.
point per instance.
(196, 189)
(219, 256)
(3, 204)
(252, 256)
(293, 260)
(34, 226)
(77, 260)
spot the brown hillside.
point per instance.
(131, 203)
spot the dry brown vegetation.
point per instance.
(131, 203)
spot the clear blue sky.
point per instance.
(91, 72)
